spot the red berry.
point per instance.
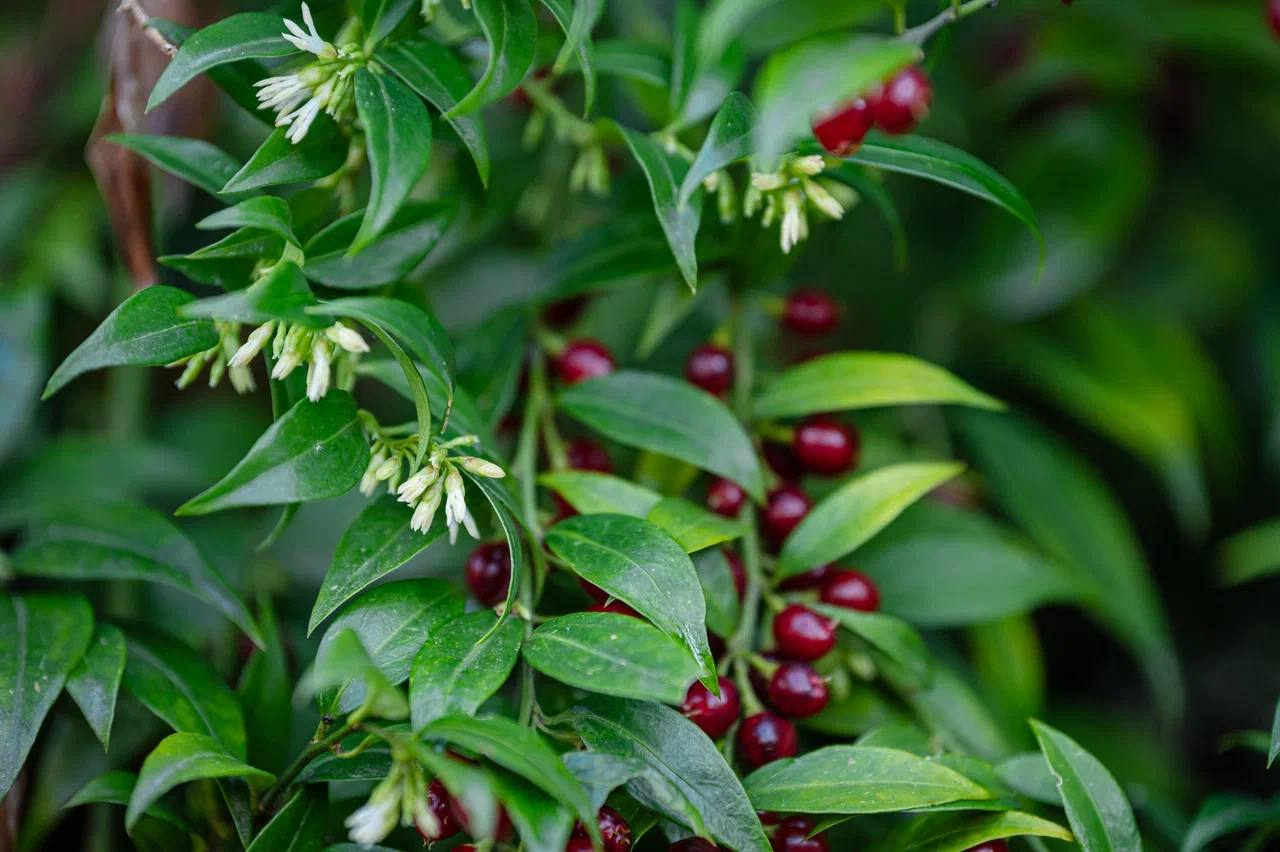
(579, 844)
(593, 591)
(851, 590)
(784, 508)
(739, 572)
(585, 454)
(565, 312)
(990, 846)
(765, 737)
(768, 817)
(614, 832)
(1273, 16)
(842, 131)
(826, 446)
(726, 497)
(802, 634)
(903, 102)
(466, 847)
(811, 312)
(793, 836)
(797, 690)
(810, 579)
(489, 572)
(694, 844)
(584, 359)
(710, 367)
(616, 607)
(713, 715)
(782, 460)
(438, 801)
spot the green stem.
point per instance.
(921, 33)
(525, 466)
(311, 752)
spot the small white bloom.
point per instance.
(369, 482)
(299, 121)
(283, 93)
(481, 467)
(765, 181)
(810, 165)
(375, 819)
(242, 379)
(795, 226)
(257, 339)
(455, 507)
(823, 200)
(346, 337)
(387, 469)
(308, 40)
(415, 486)
(318, 372)
(426, 511)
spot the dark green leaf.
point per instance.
(728, 140)
(601, 773)
(412, 233)
(1097, 809)
(372, 764)
(576, 17)
(194, 160)
(115, 788)
(297, 827)
(378, 18)
(282, 294)
(896, 639)
(236, 79)
(511, 29)
(543, 825)
(960, 832)
(229, 263)
(144, 330)
(461, 665)
(278, 161)
(397, 132)
(679, 221)
(719, 590)
(178, 759)
(263, 213)
(248, 35)
(419, 332)
(1223, 814)
(95, 681)
(343, 663)
(265, 693)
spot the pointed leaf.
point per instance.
(278, 161)
(343, 663)
(297, 827)
(419, 332)
(179, 759)
(511, 29)
(264, 213)
(248, 35)
(194, 160)
(95, 681)
(679, 222)
(397, 134)
(576, 17)
(896, 639)
(729, 140)
(960, 832)
(461, 665)
(282, 294)
(115, 788)
(1097, 809)
(594, 493)
(378, 18)
(410, 236)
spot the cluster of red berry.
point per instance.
(895, 106)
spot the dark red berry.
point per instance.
(802, 634)
(616, 607)
(1273, 16)
(769, 817)
(738, 570)
(903, 102)
(438, 802)
(782, 460)
(585, 454)
(826, 446)
(811, 312)
(811, 579)
(726, 497)
(564, 312)
(466, 847)
(842, 131)
(614, 832)
(579, 844)
(766, 737)
(489, 572)
(694, 844)
(785, 507)
(710, 367)
(593, 591)
(797, 690)
(990, 846)
(714, 715)
(851, 590)
(584, 359)
(793, 836)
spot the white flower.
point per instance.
(257, 339)
(318, 371)
(795, 227)
(455, 507)
(387, 469)
(481, 467)
(299, 121)
(283, 93)
(810, 165)
(376, 818)
(242, 379)
(308, 40)
(823, 200)
(426, 511)
(346, 337)
(369, 482)
(415, 486)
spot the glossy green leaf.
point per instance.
(314, 451)
(461, 665)
(637, 563)
(613, 655)
(857, 780)
(680, 753)
(115, 788)
(265, 692)
(111, 540)
(1028, 774)
(196, 161)
(235, 79)
(892, 637)
(594, 493)
(248, 35)
(1223, 814)
(679, 222)
(181, 758)
(543, 825)
(229, 263)
(846, 381)
(95, 681)
(419, 332)
(729, 140)
(145, 329)
(282, 294)
(378, 18)
(263, 213)
(343, 663)
(42, 639)
(278, 161)
(857, 510)
(500, 503)
(391, 621)
(576, 17)
(1097, 809)
(431, 70)
(511, 29)
(406, 240)
(719, 589)
(297, 827)
(397, 132)
(693, 527)
(640, 410)
(188, 694)
(960, 832)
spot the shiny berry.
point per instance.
(826, 446)
(579, 844)
(584, 359)
(811, 579)
(903, 102)
(489, 572)
(811, 312)
(782, 460)
(614, 832)
(797, 690)
(616, 607)
(851, 590)
(739, 572)
(438, 802)
(714, 715)
(726, 497)
(784, 508)
(769, 817)
(694, 844)
(802, 634)
(990, 846)
(793, 836)
(710, 367)
(766, 737)
(585, 454)
(842, 131)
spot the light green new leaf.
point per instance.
(179, 759)
(95, 681)
(593, 493)
(1097, 809)
(679, 222)
(960, 832)
(248, 35)
(397, 132)
(343, 664)
(462, 664)
(729, 139)
(511, 29)
(1251, 554)
(693, 527)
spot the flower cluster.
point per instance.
(220, 358)
(786, 195)
(400, 798)
(324, 351)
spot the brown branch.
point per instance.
(134, 10)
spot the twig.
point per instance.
(134, 10)
(923, 32)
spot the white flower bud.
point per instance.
(318, 371)
(387, 468)
(810, 165)
(823, 200)
(346, 337)
(376, 818)
(481, 467)
(257, 339)
(425, 513)
(414, 486)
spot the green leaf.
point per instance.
(1027, 773)
(144, 330)
(179, 759)
(316, 450)
(960, 832)
(1097, 809)
(278, 161)
(576, 17)
(693, 527)
(896, 639)
(1251, 554)
(297, 827)
(612, 654)
(857, 510)
(857, 780)
(378, 542)
(263, 213)
(677, 751)
(679, 222)
(420, 332)
(265, 692)
(194, 160)
(815, 74)
(640, 410)
(248, 35)
(397, 133)
(282, 294)
(543, 825)
(639, 564)
(343, 663)
(592, 493)
(511, 29)
(722, 21)
(112, 540)
(1226, 813)
(230, 262)
(95, 681)
(941, 163)
(42, 638)
(235, 79)
(499, 500)
(846, 381)
(638, 61)
(391, 621)
(729, 139)
(115, 788)
(378, 18)
(178, 686)
(719, 589)
(461, 665)
(431, 70)
(409, 237)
